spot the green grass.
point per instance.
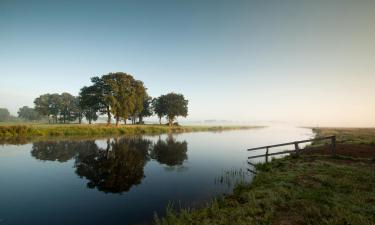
(302, 190)
(67, 130)
(349, 135)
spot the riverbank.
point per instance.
(313, 188)
(69, 130)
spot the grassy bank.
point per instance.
(352, 142)
(313, 188)
(303, 190)
(43, 130)
(349, 135)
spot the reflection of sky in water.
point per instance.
(51, 192)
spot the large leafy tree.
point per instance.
(175, 105)
(103, 93)
(43, 105)
(159, 106)
(89, 102)
(68, 107)
(139, 97)
(4, 114)
(28, 113)
(147, 108)
(123, 98)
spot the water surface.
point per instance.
(125, 180)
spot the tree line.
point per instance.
(116, 95)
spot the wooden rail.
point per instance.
(296, 147)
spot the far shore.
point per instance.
(97, 130)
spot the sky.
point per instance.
(310, 63)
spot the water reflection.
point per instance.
(170, 152)
(61, 151)
(117, 168)
(119, 165)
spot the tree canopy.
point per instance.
(28, 113)
(4, 114)
(115, 94)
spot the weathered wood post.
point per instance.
(296, 147)
(267, 155)
(333, 145)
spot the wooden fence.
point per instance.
(296, 150)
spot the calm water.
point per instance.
(125, 180)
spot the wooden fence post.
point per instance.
(267, 155)
(296, 147)
(333, 145)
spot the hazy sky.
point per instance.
(308, 62)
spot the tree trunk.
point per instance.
(109, 116)
(140, 120)
(160, 120)
(170, 122)
(117, 121)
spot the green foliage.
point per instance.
(304, 190)
(170, 105)
(4, 114)
(176, 105)
(89, 102)
(62, 107)
(126, 96)
(28, 113)
(159, 106)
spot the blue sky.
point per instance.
(304, 62)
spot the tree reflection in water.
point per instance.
(170, 152)
(117, 167)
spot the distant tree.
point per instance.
(159, 106)
(4, 115)
(89, 102)
(67, 107)
(175, 105)
(147, 108)
(43, 105)
(55, 106)
(28, 113)
(140, 95)
(103, 93)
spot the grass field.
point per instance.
(312, 188)
(67, 130)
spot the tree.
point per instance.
(43, 105)
(67, 106)
(158, 104)
(103, 94)
(4, 114)
(123, 98)
(54, 106)
(89, 102)
(175, 105)
(147, 108)
(139, 99)
(28, 113)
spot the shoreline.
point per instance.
(77, 130)
(313, 188)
